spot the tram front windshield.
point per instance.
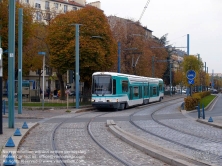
(102, 84)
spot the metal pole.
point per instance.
(20, 29)
(205, 76)
(11, 63)
(1, 74)
(77, 65)
(119, 57)
(170, 81)
(188, 44)
(43, 82)
(199, 87)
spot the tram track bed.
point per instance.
(74, 146)
(169, 136)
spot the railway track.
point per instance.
(196, 150)
(61, 136)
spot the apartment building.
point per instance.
(45, 11)
(48, 9)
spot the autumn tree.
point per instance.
(191, 62)
(96, 54)
(27, 29)
(136, 48)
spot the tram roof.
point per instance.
(131, 77)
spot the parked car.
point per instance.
(183, 91)
(214, 91)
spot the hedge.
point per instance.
(192, 101)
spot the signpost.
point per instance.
(191, 74)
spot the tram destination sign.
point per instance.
(191, 74)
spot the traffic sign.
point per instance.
(190, 82)
(191, 74)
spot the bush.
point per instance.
(192, 101)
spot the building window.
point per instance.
(38, 72)
(47, 5)
(26, 1)
(38, 16)
(56, 6)
(65, 8)
(74, 8)
(37, 5)
(47, 17)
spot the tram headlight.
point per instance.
(107, 100)
(93, 100)
(117, 100)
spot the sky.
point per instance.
(201, 19)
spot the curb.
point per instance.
(170, 157)
(17, 141)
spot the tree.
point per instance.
(137, 47)
(27, 31)
(96, 54)
(191, 62)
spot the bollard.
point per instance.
(17, 132)
(25, 126)
(9, 160)
(198, 110)
(10, 143)
(210, 119)
(203, 111)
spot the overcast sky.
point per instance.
(201, 19)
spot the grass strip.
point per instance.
(206, 100)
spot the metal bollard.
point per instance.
(203, 111)
(198, 111)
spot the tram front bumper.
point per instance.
(106, 104)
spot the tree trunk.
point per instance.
(62, 89)
(87, 92)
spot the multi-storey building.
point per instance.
(45, 11)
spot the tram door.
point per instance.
(131, 93)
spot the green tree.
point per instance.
(96, 54)
(191, 62)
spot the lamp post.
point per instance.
(77, 63)
(1, 73)
(43, 78)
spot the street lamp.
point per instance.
(77, 63)
(43, 78)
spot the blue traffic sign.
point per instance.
(191, 74)
(190, 82)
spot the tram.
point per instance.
(120, 91)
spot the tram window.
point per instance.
(154, 91)
(160, 87)
(135, 91)
(124, 86)
(114, 86)
(102, 84)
